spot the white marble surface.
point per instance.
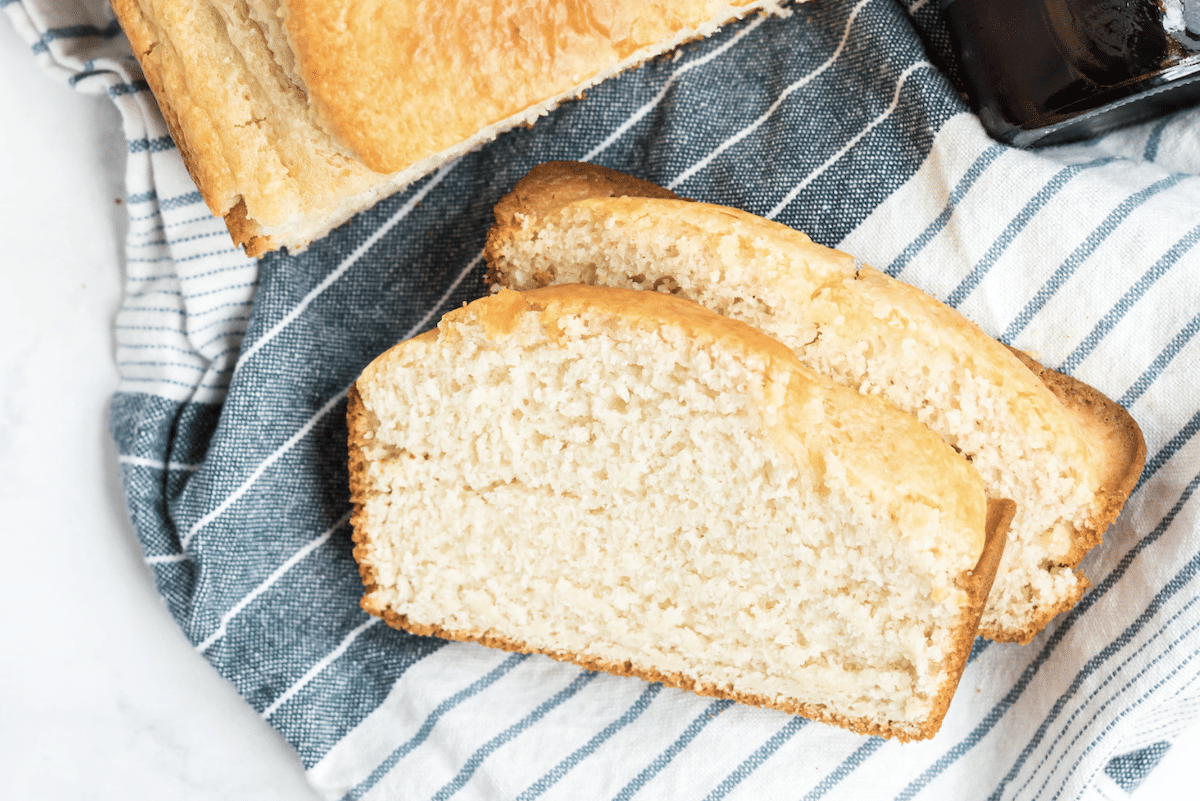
(101, 697)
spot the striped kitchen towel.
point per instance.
(838, 120)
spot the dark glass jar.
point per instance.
(1042, 72)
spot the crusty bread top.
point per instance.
(400, 81)
(553, 184)
(293, 115)
(223, 76)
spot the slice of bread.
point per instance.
(1066, 454)
(293, 115)
(633, 483)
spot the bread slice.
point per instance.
(1066, 454)
(633, 483)
(293, 115)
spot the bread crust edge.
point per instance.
(138, 30)
(1126, 459)
(356, 423)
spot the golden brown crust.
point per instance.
(677, 680)
(147, 25)
(357, 424)
(550, 186)
(1119, 449)
(553, 184)
(140, 32)
(412, 79)
(649, 310)
(168, 83)
(244, 231)
(1116, 441)
(253, 133)
(977, 582)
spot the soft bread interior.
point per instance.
(1034, 440)
(636, 484)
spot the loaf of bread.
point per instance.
(1066, 454)
(292, 115)
(636, 484)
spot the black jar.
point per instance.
(1042, 72)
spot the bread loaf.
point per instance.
(633, 483)
(292, 115)
(1065, 453)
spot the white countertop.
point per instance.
(101, 696)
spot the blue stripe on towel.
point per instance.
(847, 766)
(583, 752)
(972, 175)
(477, 758)
(1036, 204)
(673, 750)
(1085, 250)
(431, 720)
(752, 762)
(1130, 299)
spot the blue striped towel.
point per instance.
(838, 120)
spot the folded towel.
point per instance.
(840, 121)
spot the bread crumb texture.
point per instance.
(632, 482)
(569, 223)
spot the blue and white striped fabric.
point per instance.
(838, 120)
